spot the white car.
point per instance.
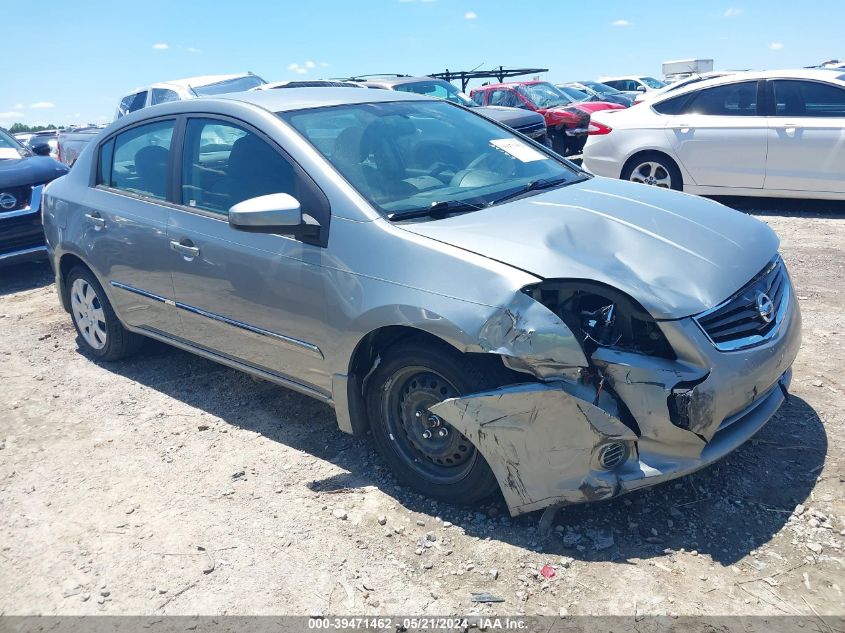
(188, 88)
(634, 83)
(775, 133)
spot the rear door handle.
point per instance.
(185, 248)
(96, 219)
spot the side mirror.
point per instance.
(641, 88)
(277, 213)
(40, 149)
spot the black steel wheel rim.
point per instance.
(430, 446)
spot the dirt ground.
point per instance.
(168, 484)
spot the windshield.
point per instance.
(10, 148)
(238, 84)
(574, 93)
(603, 89)
(544, 95)
(439, 89)
(410, 155)
(651, 82)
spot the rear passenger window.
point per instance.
(808, 98)
(140, 160)
(671, 106)
(163, 95)
(130, 103)
(225, 164)
(738, 99)
(504, 98)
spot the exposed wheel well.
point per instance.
(68, 262)
(373, 345)
(654, 153)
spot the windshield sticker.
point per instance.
(519, 150)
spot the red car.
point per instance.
(567, 120)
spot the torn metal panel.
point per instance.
(539, 441)
(645, 384)
(532, 337)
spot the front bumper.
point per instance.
(542, 440)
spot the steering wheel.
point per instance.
(494, 161)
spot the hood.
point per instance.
(676, 254)
(512, 117)
(32, 170)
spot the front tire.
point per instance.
(425, 452)
(101, 334)
(655, 169)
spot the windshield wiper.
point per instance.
(534, 185)
(436, 210)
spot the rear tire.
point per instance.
(655, 169)
(101, 334)
(412, 377)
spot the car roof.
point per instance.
(824, 74)
(605, 79)
(304, 98)
(394, 81)
(188, 82)
(310, 83)
(286, 100)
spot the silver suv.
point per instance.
(495, 317)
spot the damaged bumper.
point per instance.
(567, 441)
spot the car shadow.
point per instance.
(833, 209)
(724, 511)
(25, 276)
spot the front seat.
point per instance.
(151, 169)
(255, 169)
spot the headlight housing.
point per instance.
(601, 316)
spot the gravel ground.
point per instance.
(168, 484)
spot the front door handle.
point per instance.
(96, 219)
(185, 248)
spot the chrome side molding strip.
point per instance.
(289, 341)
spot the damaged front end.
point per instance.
(613, 400)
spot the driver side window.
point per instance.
(224, 164)
(505, 98)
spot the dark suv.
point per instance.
(525, 122)
(23, 175)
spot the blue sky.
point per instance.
(72, 60)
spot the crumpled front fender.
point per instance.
(540, 441)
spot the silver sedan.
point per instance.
(495, 317)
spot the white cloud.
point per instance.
(775, 46)
(160, 46)
(296, 68)
(732, 12)
(310, 64)
(11, 115)
(323, 64)
(18, 106)
(42, 105)
(470, 15)
(620, 23)
(191, 49)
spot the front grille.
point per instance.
(21, 195)
(741, 321)
(20, 242)
(533, 131)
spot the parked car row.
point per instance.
(567, 119)
(36, 141)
